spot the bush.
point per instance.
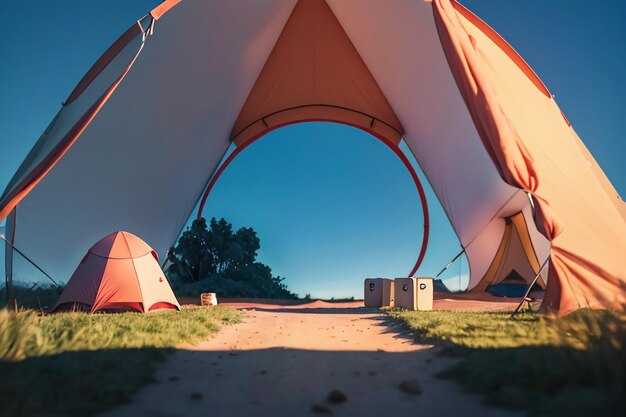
(40, 296)
(253, 281)
(217, 260)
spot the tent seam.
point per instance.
(132, 260)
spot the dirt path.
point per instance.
(281, 361)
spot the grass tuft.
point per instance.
(82, 364)
(19, 335)
(569, 366)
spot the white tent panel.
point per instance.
(70, 114)
(401, 48)
(151, 149)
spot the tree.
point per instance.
(216, 259)
(219, 241)
(190, 258)
(243, 248)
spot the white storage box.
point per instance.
(378, 292)
(414, 293)
(405, 293)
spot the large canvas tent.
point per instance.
(138, 139)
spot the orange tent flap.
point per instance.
(532, 147)
(315, 73)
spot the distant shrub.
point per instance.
(216, 259)
(39, 296)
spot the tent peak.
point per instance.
(121, 245)
(315, 73)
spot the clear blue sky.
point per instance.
(326, 219)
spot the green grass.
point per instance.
(81, 364)
(569, 366)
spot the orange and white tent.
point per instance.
(120, 272)
(139, 138)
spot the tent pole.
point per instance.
(534, 281)
(450, 263)
(8, 282)
(29, 260)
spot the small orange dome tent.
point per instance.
(120, 272)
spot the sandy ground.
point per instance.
(284, 359)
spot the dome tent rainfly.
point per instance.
(120, 272)
(192, 77)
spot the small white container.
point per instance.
(378, 292)
(414, 293)
(208, 299)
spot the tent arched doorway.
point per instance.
(391, 145)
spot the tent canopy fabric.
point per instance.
(192, 77)
(120, 272)
(315, 73)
